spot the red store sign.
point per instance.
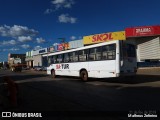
(142, 31)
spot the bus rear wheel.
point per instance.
(84, 75)
(53, 74)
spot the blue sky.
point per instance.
(32, 24)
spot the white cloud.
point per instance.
(73, 37)
(58, 1)
(37, 47)
(58, 4)
(16, 30)
(11, 42)
(55, 44)
(48, 11)
(40, 40)
(25, 46)
(11, 49)
(14, 49)
(65, 18)
(62, 3)
(5, 50)
(24, 38)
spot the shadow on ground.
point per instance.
(131, 79)
(125, 80)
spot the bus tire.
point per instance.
(53, 74)
(84, 75)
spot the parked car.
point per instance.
(44, 68)
(37, 68)
(25, 68)
(34, 67)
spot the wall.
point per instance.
(40, 51)
(76, 44)
(148, 48)
(37, 60)
(104, 37)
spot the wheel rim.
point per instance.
(53, 73)
(84, 76)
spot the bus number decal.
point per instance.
(58, 66)
(62, 66)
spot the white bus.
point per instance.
(109, 59)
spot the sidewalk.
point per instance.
(33, 71)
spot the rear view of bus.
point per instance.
(128, 62)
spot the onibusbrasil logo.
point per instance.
(15, 114)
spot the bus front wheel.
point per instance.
(84, 75)
(53, 74)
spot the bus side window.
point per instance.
(92, 55)
(60, 58)
(71, 57)
(75, 56)
(49, 60)
(98, 53)
(86, 51)
(104, 52)
(44, 61)
(52, 59)
(55, 58)
(66, 57)
(111, 51)
(80, 53)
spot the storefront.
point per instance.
(16, 58)
(75, 44)
(104, 37)
(29, 59)
(37, 56)
(147, 40)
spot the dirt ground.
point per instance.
(149, 71)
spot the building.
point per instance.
(147, 40)
(103, 37)
(37, 56)
(29, 59)
(15, 58)
(75, 44)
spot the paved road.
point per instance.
(39, 92)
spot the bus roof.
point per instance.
(81, 48)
